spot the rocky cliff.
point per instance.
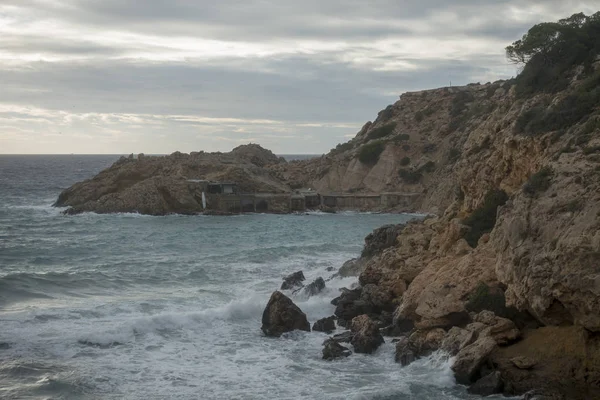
(159, 185)
(512, 170)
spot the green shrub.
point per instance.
(591, 150)
(459, 103)
(406, 147)
(369, 153)
(551, 50)
(429, 166)
(538, 182)
(591, 127)
(483, 219)
(402, 137)
(530, 122)
(429, 148)
(488, 298)
(405, 161)
(491, 90)
(386, 114)
(342, 147)
(410, 176)
(426, 112)
(382, 131)
(573, 206)
(453, 155)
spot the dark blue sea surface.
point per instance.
(139, 307)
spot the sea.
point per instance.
(127, 306)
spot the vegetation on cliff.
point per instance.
(505, 277)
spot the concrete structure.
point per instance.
(225, 197)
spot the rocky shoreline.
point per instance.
(495, 349)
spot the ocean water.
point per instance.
(135, 307)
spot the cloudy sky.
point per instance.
(155, 76)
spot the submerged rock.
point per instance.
(333, 350)
(282, 315)
(315, 287)
(405, 354)
(344, 337)
(293, 281)
(366, 337)
(326, 325)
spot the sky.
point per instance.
(297, 77)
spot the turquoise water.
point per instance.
(137, 307)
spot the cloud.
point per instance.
(294, 76)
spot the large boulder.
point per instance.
(293, 281)
(282, 315)
(366, 337)
(326, 325)
(332, 350)
(469, 360)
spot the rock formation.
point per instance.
(282, 315)
(508, 266)
(333, 350)
(366, 337)
(159, 185)
(326, 325)
(293, 281)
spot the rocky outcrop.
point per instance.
(282, 315)
(326, 325)
(350, 305)
(333, 350)
(257, 155)
(293, 281)
(381, 239)
(314, 287)
(514, 246)
(159, 185)
(366, 337)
